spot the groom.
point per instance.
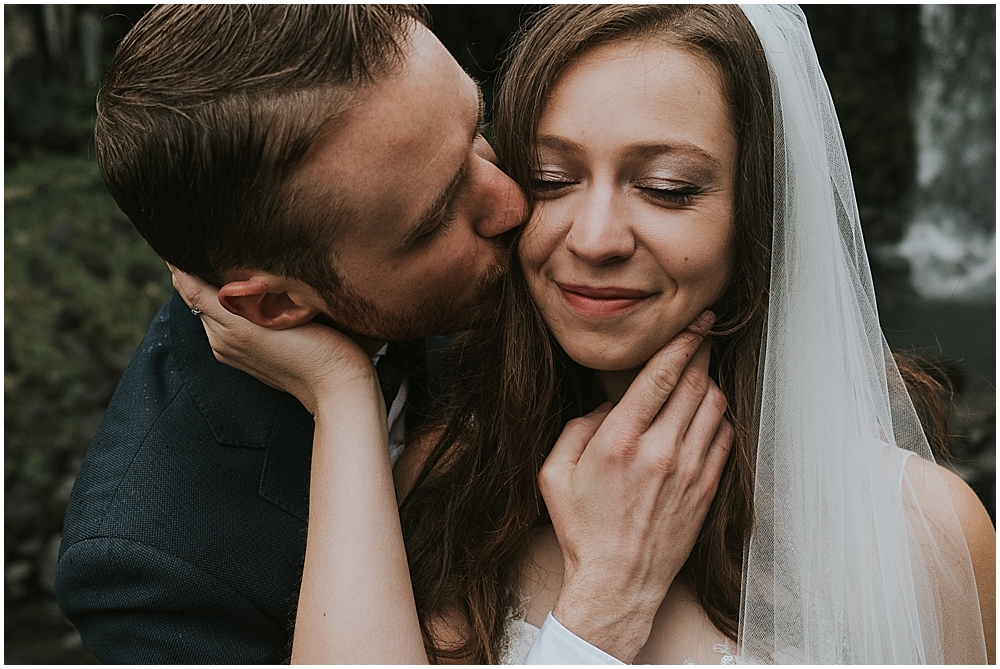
(316, 163)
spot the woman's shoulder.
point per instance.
(941, 492)
(942, 498)
(945, 500)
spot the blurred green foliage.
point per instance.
(80, 288)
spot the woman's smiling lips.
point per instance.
(601, 302)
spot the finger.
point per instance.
(703, 324)
(173, 279)
(705, 423)
(576, 435)
(200, 295)
(674, 419)
(657, 380)
(188, 286)
(718, 451)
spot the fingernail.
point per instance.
(704, 322)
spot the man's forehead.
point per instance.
(430, 80)
(391, 155)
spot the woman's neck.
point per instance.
(616, 383)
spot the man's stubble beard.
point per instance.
(353, 313)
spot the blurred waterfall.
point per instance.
(950, 243)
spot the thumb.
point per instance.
(198, 294)
(575, 437)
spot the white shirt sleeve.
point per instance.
(557, 645)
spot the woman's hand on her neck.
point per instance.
(615, 383)
(627, 489)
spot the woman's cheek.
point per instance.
(535, 239)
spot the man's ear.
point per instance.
(270, 301)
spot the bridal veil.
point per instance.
(857, 555)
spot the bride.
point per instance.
(680, 159)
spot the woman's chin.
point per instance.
(610, 358)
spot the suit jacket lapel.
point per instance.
(245, 413)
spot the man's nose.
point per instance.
(503, 205)
(600, 232)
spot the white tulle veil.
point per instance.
(857, 555)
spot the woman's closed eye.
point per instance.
(550, 184)
(673, 193)
(547, 183)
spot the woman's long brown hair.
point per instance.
(509, 388)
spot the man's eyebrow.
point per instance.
(437, 208)
(481, 118)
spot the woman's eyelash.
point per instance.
(547, 186)
(550, 184)
(678, 195)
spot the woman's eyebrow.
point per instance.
(558, 144)
(682, 151)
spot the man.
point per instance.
(316, 163)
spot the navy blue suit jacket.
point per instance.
(186, 529)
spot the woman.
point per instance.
(613, 203)
(646, 137)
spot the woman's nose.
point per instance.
(600, 232)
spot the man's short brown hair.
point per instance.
(207, 109)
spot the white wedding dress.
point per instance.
(520, 635)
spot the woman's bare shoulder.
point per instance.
(940, 490)
(942, 495)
